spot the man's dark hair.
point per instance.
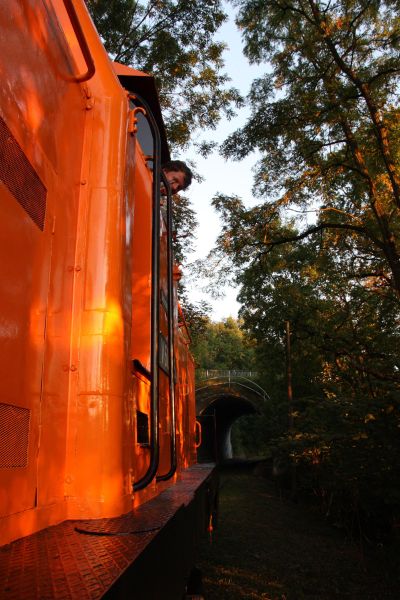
(179, 165)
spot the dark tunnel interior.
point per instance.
(216, 421)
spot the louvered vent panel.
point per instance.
(18, 175)
(14, 436)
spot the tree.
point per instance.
(346, 370)
(174, 41)
(326, 121)
(195, 314)
(224, 346)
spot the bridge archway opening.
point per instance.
(219, 417)
(219, 405)
(248, 437)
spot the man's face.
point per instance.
(176, 180)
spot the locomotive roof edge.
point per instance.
(138, 82)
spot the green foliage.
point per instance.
(185, 224)
(224, 346)
(346, 374)
(174, 41)
(326, 122)
(196, 316)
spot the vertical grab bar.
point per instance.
(83, 45)
(198, 432)
(170, 282)
(155, 303)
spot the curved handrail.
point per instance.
(155, 303)
(83, 45)
(262, 395)
(208, 373)
(233, 379)
(170, 279)
(197, 444)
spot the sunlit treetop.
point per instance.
(325, 119)
(174, 40)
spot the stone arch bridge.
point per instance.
(221, 398)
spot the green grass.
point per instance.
(269, 548)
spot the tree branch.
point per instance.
(345, 226)
(376, 117)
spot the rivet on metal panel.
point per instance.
(78, 268)
(70, 269)
(83, 182)
(73, 368)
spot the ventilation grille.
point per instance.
(14, 436)
(18, 175)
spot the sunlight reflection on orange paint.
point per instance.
(31, 106)
(113, 322)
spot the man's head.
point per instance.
(178, 174)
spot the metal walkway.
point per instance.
(140, 555)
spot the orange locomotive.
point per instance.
(99, 489)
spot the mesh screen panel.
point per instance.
(14, 436)
(18, 175)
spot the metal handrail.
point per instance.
(83, 45)
(207, 373)
(170, 283)
(199, 436)
(155, 303)
(262, 393)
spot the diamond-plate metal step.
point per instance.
(88, 559)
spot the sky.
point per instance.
(219, 175)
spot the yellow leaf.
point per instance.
(369, 417)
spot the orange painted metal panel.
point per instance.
(43, 274)
(75, 283)
(36, 286)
